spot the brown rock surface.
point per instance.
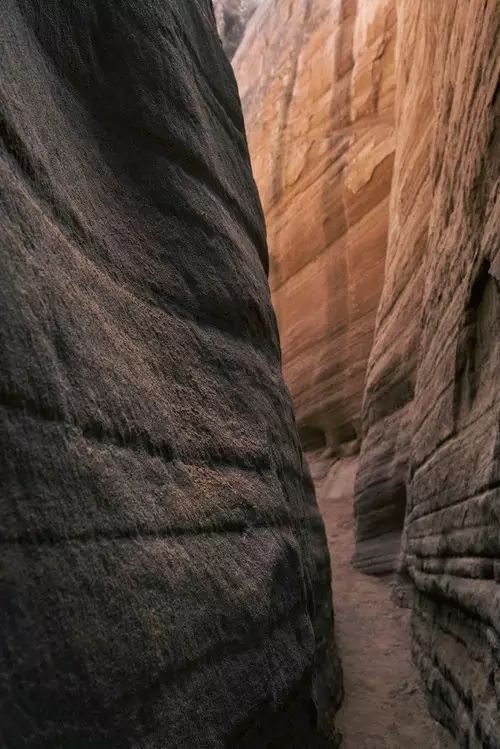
(164, 575)
(432, 405)
(317, 87)
(452, 550)
(391, 372)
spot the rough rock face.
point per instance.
(388, 412)
(452, 550)
(391, 372)
(317, 87)
(438, 343)
(232, 17)
(164, 573)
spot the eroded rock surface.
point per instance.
(164, 571)
(452, 550)
(432, 404)
(317, 87)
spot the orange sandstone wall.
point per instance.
(317, 86)
(430, 459)
(391, 372)
(317, 81)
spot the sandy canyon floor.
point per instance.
(384, 705)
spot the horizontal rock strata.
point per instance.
(165, 579)
(452, 549)
(317, 86)
(430, 458)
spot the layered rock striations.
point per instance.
(452, 528)
(317, 87)
(164, 573)
(430, 458)
(391, 372)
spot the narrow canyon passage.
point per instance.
(384, 705)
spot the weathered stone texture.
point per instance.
(391, 372)
(164, 573)
(452, 549)
(317, 87)
(432, 404)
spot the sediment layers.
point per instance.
(165, 578)
(317, 83)
(452, 526)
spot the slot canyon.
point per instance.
(250, 374)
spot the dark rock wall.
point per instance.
(164, 573)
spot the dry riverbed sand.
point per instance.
(384, 705)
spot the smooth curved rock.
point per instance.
(380, 502)
(317, 87)
(165, 577)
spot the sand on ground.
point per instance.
(384, 705)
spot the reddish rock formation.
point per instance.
(432, 405)
(390, 377)
(164, 572)
(317, 87)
